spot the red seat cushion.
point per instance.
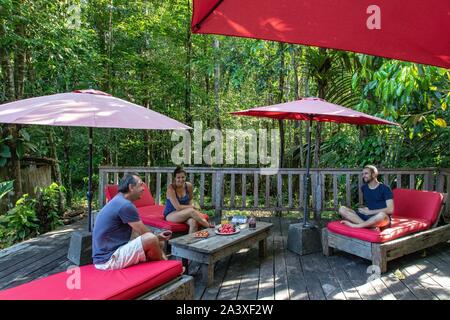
(128, 283)
(400, 227)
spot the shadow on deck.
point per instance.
(282, 275)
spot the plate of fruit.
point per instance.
(227, 229)
(201, 234)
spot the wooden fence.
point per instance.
(278, 191)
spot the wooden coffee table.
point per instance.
(207, 251)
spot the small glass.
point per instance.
(252, 223)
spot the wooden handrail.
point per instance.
(219, 188)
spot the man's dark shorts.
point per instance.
(366, 217)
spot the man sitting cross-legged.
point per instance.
(377, 197)
(112, 247)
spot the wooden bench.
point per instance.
(207, 251)
(380, 253)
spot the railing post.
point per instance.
(218, 196)
(318, 198)
(101, 188)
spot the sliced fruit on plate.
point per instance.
(201, 234)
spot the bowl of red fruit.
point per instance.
(227, 229)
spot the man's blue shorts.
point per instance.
(366, 217)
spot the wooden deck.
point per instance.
(281, 275)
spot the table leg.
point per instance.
(207, 274)
(263, 248)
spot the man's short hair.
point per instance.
(372, 169)
(128, 179)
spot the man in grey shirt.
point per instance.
(111, 245)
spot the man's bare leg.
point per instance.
(379, 220)
(349, 215)
(152, 247)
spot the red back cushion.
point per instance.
(110, 191)
(145, 200)
(417, 204)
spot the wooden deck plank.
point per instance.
(356, 269)
(28, 269)
(281, 281)
(230, 285)
(212, 291)
(296, 278)
(313, 285)
(328, 281)
(266, 275)
(348, 289)
(248, 289)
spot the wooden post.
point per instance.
(218, 196)
(233, 190)
(279, 193)
(347, 189)
(327, 250)
(290, 202)
(318, 192)
(360, 195)
(202, 189)
(335, 192)
(255, 190)
(412, 181)
(399, 180)
(101, 188)
(267, 191)
(379, 258)
(158, 188)
(244, 190)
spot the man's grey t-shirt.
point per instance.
(111, 229)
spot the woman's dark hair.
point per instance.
(178, 170)
(128, 178)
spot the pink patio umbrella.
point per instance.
(86, 108)
(312, 109)
(410, 30)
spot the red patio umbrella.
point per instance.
(410, 30)
(312, 109)
(85, 108)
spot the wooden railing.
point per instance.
(252, 189)
(443, 185)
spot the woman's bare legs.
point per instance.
(185, 215)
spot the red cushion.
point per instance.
(415, 204)
(400, 227)
(111, 191)
(95, 284)
(145, 200)
(151, 214)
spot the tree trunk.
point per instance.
(56, 168)
(298, 132)
(8, 74)
(188, 73)
(20, 63)
(217, 82)
(281, 79)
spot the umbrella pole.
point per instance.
(89, 193)
(306, 224)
